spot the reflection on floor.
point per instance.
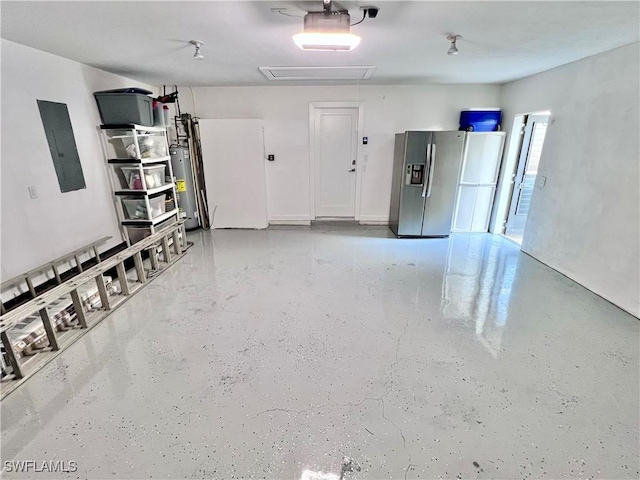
(280, 353)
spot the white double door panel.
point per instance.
(335, 151)
(234, 170)
(478, 179)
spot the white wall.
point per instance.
(35, 231)
(285, 114)
(585, 221)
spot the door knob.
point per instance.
(352, 170)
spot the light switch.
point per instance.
(542, 182)
(33, 192)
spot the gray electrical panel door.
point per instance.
(62, 145)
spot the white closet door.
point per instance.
(478, 178)
(235, 177)
(481, 158)
(473, 208)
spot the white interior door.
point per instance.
(235, 177)
(335, 149)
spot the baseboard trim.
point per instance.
(290, 222)
(374, 220)
(289, 217)
(334, 219)
(304, 220)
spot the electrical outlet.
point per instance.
(33, 192)
(542, 182)
(271, 158)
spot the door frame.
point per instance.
(523, 156)
(508, 168)
(313, 106)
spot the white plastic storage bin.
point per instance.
(152, 177)
(136, 143)
(136, 208)
(137, 233)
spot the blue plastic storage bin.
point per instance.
(480, 120)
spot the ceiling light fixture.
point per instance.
(198, 55)
(328, 31)
(326, 41)
(453, 50)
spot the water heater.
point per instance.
(181, 164)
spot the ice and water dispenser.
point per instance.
(415, 175)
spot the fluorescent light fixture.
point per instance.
(337, 42)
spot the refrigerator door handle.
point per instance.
(428, 171)
(432, 167)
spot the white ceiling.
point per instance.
(148, 41)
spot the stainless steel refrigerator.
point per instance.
(426, 166)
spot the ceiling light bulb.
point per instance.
(453, 50)
(198, 54)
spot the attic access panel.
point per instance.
(318, 73)
(62, 145)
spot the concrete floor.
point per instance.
(276, 353)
